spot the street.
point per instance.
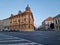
(30, 38)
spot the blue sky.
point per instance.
(41, 9)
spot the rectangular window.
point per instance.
(59, 27)
(10, 22)
(59, 21)
(56, 21)
(18, 20)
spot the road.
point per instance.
(35, 38)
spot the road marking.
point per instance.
(22, 40)
(11, 40)
(22, 44)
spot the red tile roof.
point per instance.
(49, 19)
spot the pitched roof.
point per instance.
(49, 19)
(57, 16)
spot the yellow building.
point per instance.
(23, 21)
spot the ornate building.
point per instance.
(23, 21)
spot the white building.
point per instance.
(1, 24)
(4, 24)
(57, 22)
(46, 23)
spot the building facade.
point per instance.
(5, 24)
(1, 24)
(23, 21)
(46, 23)
(57, 22)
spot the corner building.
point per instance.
(23, 21)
